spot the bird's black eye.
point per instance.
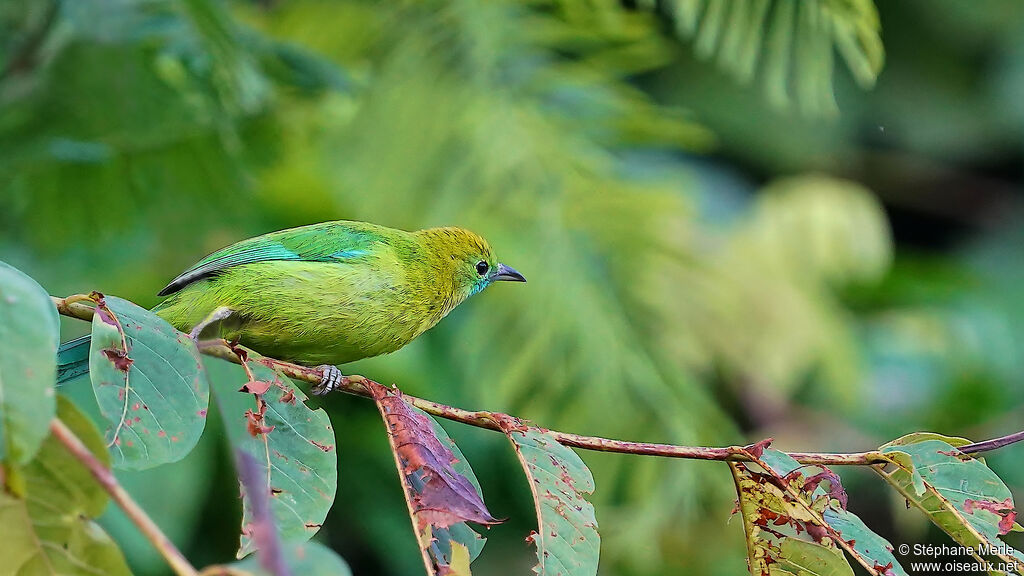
(482, 267)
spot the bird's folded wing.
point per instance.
(326, 242)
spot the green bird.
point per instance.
(324, 294)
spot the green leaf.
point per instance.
(30, 333)
(567, 540)
(149, 383)
(171, 498)
(870, 549)
(304, 558)
(273, 557)
(293, 443)
(811, 559)
(51, 531)
(918, 437)
(913, 478)
(959, 494)
(440, 498)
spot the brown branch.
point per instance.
(106, 479)
(993, 444)
(355, 385)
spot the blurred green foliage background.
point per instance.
(720, 246)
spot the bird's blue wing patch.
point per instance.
(342, 255)
(326, 242)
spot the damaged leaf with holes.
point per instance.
(567, 540)
(781, 535)
(293, 443)
(46, 524)
(958, 493)
(440, 488)
(149, 383)
(451, 541)
(795, 519)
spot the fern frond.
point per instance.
(793, 40)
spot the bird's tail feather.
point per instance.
(73, 359)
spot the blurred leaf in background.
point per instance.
(705, 266)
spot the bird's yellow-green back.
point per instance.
(334, 292)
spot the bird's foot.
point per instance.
(216, 316)
(330, 379)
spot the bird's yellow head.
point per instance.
(466, 259)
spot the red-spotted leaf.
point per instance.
(958, 493)
(778, 531)
(274, 558)
(149, 383)
(293, 444)
(29, 333)
(567, 540)
(440, 498)
(870, 549)
(795, 517)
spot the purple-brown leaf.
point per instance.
(445, 497)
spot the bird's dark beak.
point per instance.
(503, 272)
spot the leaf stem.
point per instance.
(138, 516)
(357, 385)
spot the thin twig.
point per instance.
(355, 385)
(993, 444)
(106, 479)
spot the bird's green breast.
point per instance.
(364, 304)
